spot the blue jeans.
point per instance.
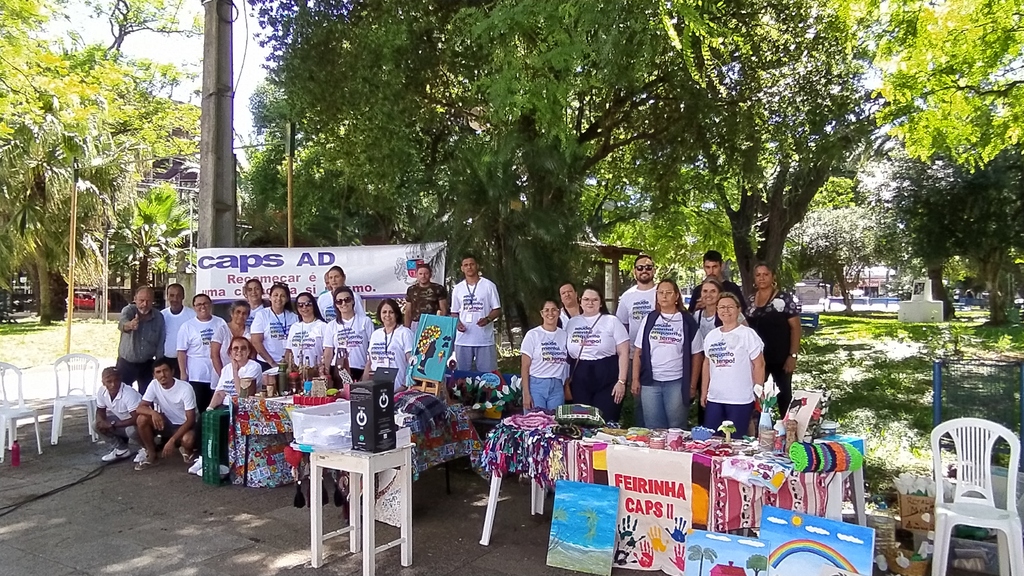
(479, 358)
(547, 393)
(666, 404)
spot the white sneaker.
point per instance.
(116, 454)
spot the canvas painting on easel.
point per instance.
(435, 345)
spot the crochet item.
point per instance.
(825, 457)
(579, 414)
(530, 421)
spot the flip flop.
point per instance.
(189, 458)
(143, 465)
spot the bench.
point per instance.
(809, 320)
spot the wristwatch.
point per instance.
(794, 356)
(620, 381)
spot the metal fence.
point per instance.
(988, 389)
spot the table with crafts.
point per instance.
(706, 485)
(262, 428)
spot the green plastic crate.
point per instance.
(215, 444)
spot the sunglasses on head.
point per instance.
(343, 300)
(644, 267)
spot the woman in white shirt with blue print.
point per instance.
(391, 345)
(544, 362)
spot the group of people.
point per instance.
(667, 354)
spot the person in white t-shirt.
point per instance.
(271, 326)
(544, 362)
(168, 408)
(476, 304)
(306, 337)
(240, 366)
(348, 337)
(116, 406)
(634, 305)
(733, 365)
(667, 360)
(707, 313)
(391, 345)
(194, 357)
(598, 348)
(253, 291)
(175, 316)
(235, 326)
(334, 279)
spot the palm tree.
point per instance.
(592, 519)
(701, 553)
(151, 233)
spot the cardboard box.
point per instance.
(917, 512)
(373, 416)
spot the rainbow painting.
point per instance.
(803, 544)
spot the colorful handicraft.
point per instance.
(825, 457)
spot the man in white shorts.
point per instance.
(116, 406)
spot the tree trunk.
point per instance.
(939, 292)
(844, 291)
(44, 294)
(991, 270)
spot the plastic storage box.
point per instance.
(215, 444)
(328, 426)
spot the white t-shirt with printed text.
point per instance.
(172, 325)
(223, 336)
(352, 335)
(121, 406)
(666, 339)
(253, 312)
(389, 351)
(634, 306)
(194, 339)
(547, 351)
(326, 304)
(306, 342)
(174, 402)
(597, 336)
(472, 303)
(226, 383)
(730, 355)
(275, 329)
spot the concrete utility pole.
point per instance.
(217, 198)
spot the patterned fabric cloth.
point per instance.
(579, 414)
(768, 473)
(425, 409)
(448, 441)
(736, 505)
(259, 434)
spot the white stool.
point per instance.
(361, 466)
(537, 496)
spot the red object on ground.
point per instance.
(292, 456)
(16, 454)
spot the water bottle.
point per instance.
(15, 454)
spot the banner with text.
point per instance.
(654, 507)
(371, 271)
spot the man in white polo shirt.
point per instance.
(476, 304)
(176, 314)
(116, 406)
(176, 419)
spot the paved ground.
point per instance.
(164, 521)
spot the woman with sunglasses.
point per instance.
(219, 352)
(271, 327)
(665, 364)
(348, 335)
(307, 336)
(544, 361)
(733, 365)
(240, 366)
(391, 345)
(598, 348)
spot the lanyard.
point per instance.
(284, 327)
(387, 343)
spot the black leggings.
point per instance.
(784, 381)
(592, 384)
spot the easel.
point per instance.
(440, 390)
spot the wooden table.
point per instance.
(361, 466)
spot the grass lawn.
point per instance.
(26, 343)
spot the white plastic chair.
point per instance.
(77, 376)
(973, 503)
(13, 408)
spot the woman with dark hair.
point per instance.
(306, 337)
(570, 303)
(707, 314)
(253, 292)
(219, 352)
(598, 347)
(194, 358)
(668, 346)
(733, 365)
(348, 336)
(543, 361)
(391, 345)
(271, 327)
(774, 315)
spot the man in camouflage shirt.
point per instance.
(424, 297)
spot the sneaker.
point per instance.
(140, 456)
(116, 454)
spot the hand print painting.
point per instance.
(583, 527)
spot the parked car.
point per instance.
(85, 301)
